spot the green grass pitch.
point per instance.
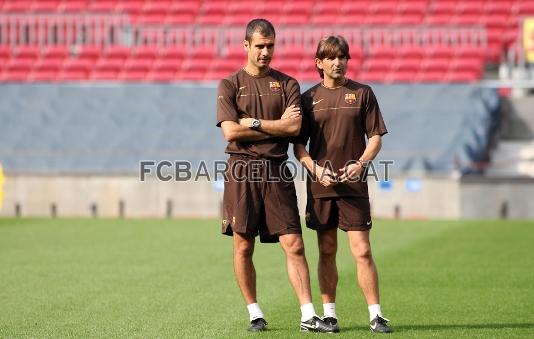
(62, 278)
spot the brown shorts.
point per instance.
(347, 213)
(259, 198)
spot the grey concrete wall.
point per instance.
(73, 196)
(484, 198)
(439, 197)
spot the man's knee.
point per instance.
(327, 244)
(362, 252)
(294, 246)
(243, 248)
(327, 251)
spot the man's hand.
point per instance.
(292, 112)
(325, 176)
(246, 122)
(351, 172)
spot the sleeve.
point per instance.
(226, 105)
(373, 120)
(305, 129)
(292, 93)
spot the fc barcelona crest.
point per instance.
(350, 98)
(275, 86)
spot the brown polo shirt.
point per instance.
(243, 95)
(336, 121)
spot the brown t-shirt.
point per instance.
(336, 121)
(243, 95)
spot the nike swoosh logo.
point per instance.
(316, 102)
(368, 223)
(240, 88)
(309, 326)
(374, 327)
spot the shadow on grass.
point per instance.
(438, 327)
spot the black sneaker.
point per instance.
(380, 325)
(258, 325)
(315, 324)
(332, 322)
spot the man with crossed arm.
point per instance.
(258, 109)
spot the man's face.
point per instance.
(333, 68)
(260, 50)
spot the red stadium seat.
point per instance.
(45, 5)
(377, 76)
(130, 6)
(438, 18)
(401, 77)
(377, 65)
(27, 52)
(162, 75)
(379, 19)
(135, 73)
(351, 18)
(408, 19)
(433, 76)
(524, 8)
(381, 7)
(443, 7)
(469, 52)
(412, 7)
(55, 53)
(435, 64)
(73, 6)
(157, 5)
(324, 19)
(102, 5)
(462, 76)
(17, 6)
(467, 19)
(45, 72)
(406, 65)
(105, 73)
(74, 72)
(471, 6)
(15, 75)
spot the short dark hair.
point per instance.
(331, 47)
(262, 26)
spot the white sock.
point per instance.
(329, 310)
(374, 310)
(308, 312)
(254, 311)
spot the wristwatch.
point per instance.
(255, 124)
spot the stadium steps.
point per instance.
(513, 158)
(518, 119)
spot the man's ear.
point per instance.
(319, 63)
(245, 45)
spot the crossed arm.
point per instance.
(350, 172)
(287, 125)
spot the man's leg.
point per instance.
(245, 274)
(327, 268)
(366, 268)
(328, 276)
(299, 277)
(297, 266)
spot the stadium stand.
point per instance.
(446, 41)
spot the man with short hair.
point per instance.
(338, 114)
(258, 109)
